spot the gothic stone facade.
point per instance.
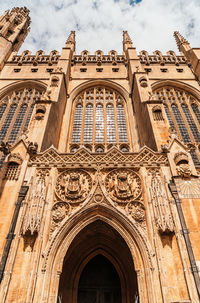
(99, 157)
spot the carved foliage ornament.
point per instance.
(73, 186)
(123, 185)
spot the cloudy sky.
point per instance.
(99, 23)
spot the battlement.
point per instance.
(38, 58)
(159, 58)
(99, 58)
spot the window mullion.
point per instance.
(105, 117)
(115, 115)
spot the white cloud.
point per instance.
(99, 24)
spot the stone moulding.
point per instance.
(113, 158)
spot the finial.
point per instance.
(126, 40)
(71, 40)
(181, 42)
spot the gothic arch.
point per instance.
(20, 85)
(136, 241)
(98, 82)
(176, 84)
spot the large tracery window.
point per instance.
(183, 114)
(15, 113)
(99, 118)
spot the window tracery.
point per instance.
(182, 111)
(16, 111)
(99, 117)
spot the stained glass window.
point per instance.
(121, 124)
(182, 107)
(88, 127)
(110, 117)
(99, 117)
(77, 124)
(99, 128)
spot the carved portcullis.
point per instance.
(123, 185)
(73, 186)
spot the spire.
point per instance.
(71, 42)
(127, 43)
(182, 43)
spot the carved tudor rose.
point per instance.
(73, 186)
(137, 211)
(123, 185)
(59, 211)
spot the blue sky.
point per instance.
(99, 23)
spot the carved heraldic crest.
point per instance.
(73, 186)
(123, 185)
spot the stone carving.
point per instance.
(32, 148)
(145, 156)
(15, 157)
(46, 95)
(137, 211)
(160, 202)
(35, 204)
(5, 147)
(181, 161)
(58, 69)
(73, 186)
(183, 170)
(123, 185)
(59, 211)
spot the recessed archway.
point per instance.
(96, 245)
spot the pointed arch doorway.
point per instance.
(98, 268)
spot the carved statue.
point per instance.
(5, 147)
(32, 148)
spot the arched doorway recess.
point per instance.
(96, 245)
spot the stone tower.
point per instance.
(99, 181)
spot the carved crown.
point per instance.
(122, 176)
(74, 176)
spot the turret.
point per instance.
(14, 26)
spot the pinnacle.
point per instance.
(180, 39)
(127, 42)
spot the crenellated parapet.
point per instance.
(99, 57)
(159, 58)
(39, 58)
